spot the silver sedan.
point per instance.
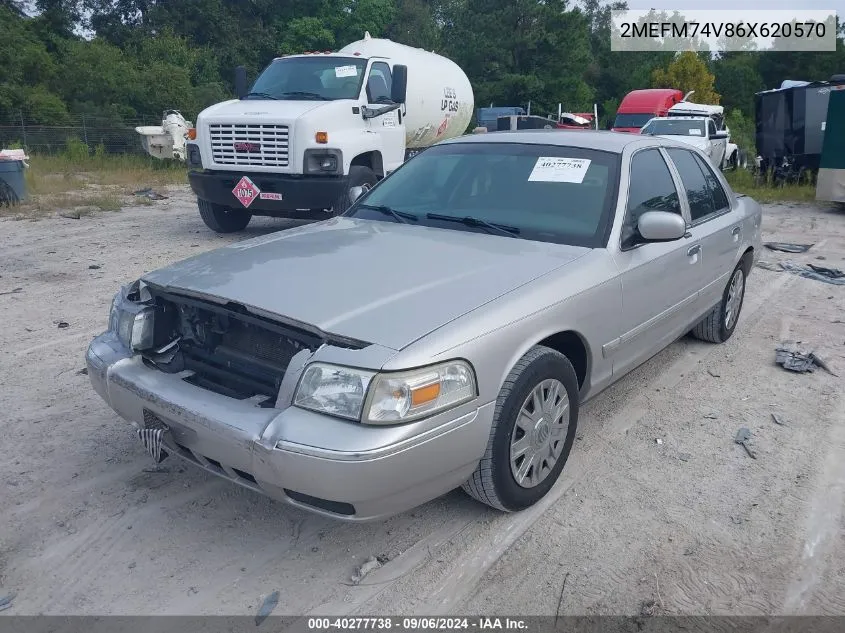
(443, 332)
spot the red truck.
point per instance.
(639, 106)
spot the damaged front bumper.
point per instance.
(333, 467)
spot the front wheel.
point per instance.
(359, 176)
(223, 219)
(719, 324)
(532, 434)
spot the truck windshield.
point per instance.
(675, 127)
(632, 120)
(321, 78)
(545, 193)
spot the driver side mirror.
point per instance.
(240, 82)
(661, 226)
(718, 135)
(399, 84)
(355, 193)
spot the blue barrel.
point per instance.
(12, 182)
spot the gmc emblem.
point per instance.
(247, 147)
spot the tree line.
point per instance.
(123, 59)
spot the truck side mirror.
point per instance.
(399, 85)
(240, 82)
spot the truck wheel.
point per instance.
(223, 219)
(532, 433)
(359, 176)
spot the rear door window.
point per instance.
(720, 198)
(700, 198)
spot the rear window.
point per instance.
(547, 192)
(632, 120)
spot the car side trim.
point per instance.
(608, 349)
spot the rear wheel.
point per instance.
(719, 324)
(223, 219)
(359, 176)
(533, 429)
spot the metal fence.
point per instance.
(115, 137)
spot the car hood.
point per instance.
(380, 282)
(237, 108)
(696, 141)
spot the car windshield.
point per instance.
(548, 193)
(675, 127)
(632, 120)
(318, 77)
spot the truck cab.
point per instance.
(310, 128)
(640, 106)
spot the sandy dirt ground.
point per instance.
(657, 510)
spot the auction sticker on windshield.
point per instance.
(246, 191)
(345, 71)
(555, 169)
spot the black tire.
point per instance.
(359, 176)
(714, 328)
(493, 482)
(223, 219)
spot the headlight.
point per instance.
(133, 323)
(406, 396)
(334, 390)
(389, 398)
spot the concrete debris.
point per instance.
(786, 247)
(150, 194)
(6, 601)
(742, 438)
(270, 603)
(777, 420)
(793, 359)
(370, 565)
(809, 271)
(648, 608)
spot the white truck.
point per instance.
(733, 156)
(316, 126)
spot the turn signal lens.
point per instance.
(404, 396)
(192, 133)
(322, 137)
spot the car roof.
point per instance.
(607, 141)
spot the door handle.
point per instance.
(736, 230)
(694, 250)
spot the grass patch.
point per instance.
(78, 178)
(742, 181)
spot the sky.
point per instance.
(836, 5)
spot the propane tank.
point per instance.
(439, 101)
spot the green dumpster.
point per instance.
(830, 184)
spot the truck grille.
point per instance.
(261, 145)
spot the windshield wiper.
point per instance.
(263, 95)
(308, 95)
(504, 229)
(401, 216)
